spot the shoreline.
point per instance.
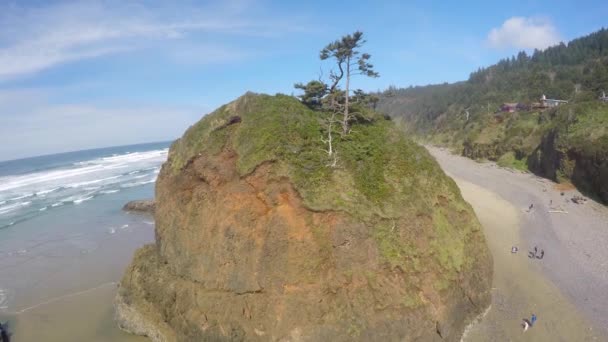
(574, 263)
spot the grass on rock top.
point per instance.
(381, 175)
(376, 163)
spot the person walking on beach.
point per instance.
(532, 320)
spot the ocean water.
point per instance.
(64, 239)
(31, 187)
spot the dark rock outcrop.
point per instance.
(147, 206)
(257, 239)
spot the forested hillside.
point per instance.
(566, 143)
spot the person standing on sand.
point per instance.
(526, 324)
(532, 320)
(542, 254)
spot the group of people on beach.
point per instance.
(535, 253)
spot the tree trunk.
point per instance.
(346, 114)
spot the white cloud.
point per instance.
(33, 122)
(524, 33)
(37, 38)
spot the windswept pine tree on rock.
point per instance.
(338, 106)
(350, 62)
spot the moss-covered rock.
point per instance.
(565, 144)
(574, 148)
(258, 238)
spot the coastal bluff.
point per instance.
(259, 237)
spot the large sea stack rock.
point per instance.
(259, 238)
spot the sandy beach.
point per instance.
(568, 288)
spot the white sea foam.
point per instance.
(95, 181)
(9, 208)
(130, 185)
(42, 209)
(56, 204)
(13, 182)
(44, 192)
(20, 197)
(130, 157)
(124, 226)
(13, 207)
(109, 191)
(80, 200)
(83, 168)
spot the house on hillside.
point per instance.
(512, 107)
(508, 107)
(550, 103)
(604, 98)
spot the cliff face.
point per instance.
(565, 144)
(582, 161)
(258, 239)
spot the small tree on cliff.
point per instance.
(350, 62)
(314, 91)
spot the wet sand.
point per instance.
(82, 316)
(61, 271)
(568, 288)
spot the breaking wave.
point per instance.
(26, 195)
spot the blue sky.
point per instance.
(86, 74)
